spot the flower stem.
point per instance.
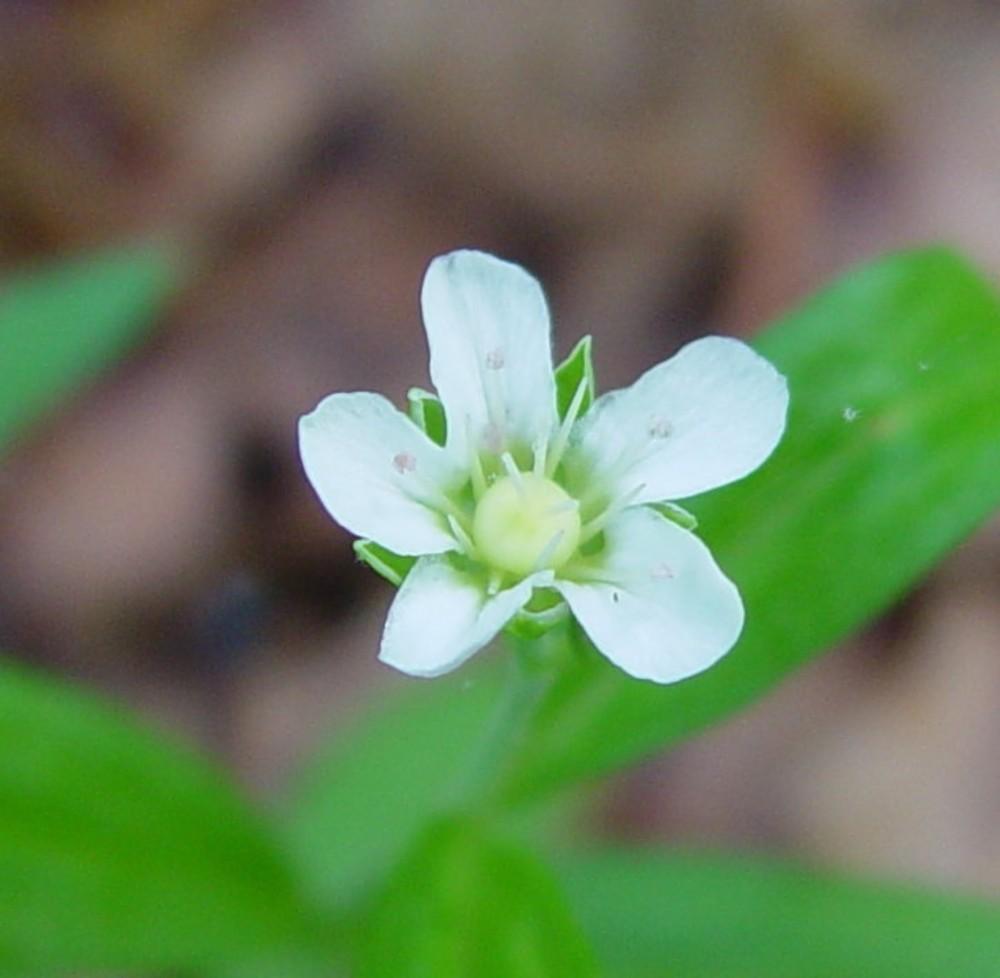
(507, 729)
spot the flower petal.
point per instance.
(491, 358)
(656, 603)
(441, 616)
(377, 473)
(708, 416)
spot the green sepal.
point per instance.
(530, 625)
(427, 412)
(577, 368)
(676, 514)
(393, 567)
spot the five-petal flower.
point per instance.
(521, 511)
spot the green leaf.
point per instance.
(60, 325)
(362, 800)
(118, 851)
(892, 456)
(577, 368)
(465, 905)
(392, 566)
(427, 413)
(652, 914)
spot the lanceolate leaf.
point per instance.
(891, 457)
(464, 905)
(652, 914)
(118, 852)
(61, 324)
(362, 801)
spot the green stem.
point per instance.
(507, 729)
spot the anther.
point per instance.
(404, 462)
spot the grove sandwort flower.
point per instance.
(516, 509)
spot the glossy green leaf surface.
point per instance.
(465, 905)
(891, 457)
(61, 324)
(652, 914)
(118, 851)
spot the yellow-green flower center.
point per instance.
(525, 523)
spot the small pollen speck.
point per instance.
(615, 597)
(495, 359)
(662, 572)
(850, 414)
(404, 462)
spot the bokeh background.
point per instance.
(666, 167)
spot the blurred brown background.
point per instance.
(666, 168)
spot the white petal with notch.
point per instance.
(377, 473)
(658, 605)
(490, 351)
(704, 418)
(441, 616)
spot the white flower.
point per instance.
(521, 512)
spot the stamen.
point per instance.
(562, 436)
(513, 471)
(478, 476)
(434, 498)
(494, 432)
(592, 527)
(565, 507)
(540, 450)
(468, 547)
(632, 454)
(547, 551)
(475, 462)
(591, 574)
